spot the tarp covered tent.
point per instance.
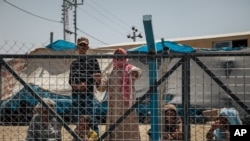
(48, 73)
(205, 92)
(232, 71)
(19, 107)
(47, 77)
(142, 85)
(60, 45)
(161, 47)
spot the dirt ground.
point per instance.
(18, 133)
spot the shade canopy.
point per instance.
(162, 46)
(60, 45)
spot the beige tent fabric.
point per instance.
(8, 81)
(50, 74)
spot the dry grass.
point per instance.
(18, 133)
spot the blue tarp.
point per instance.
(173, 46)
(60, 45)
(223, 49)
(62, 102)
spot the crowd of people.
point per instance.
(84, 75)
(119, 84)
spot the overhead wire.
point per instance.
(110, 14)
(91, 36)
(118, 19)
(51, 20)
(13, 5)
(92, 16)
(100, 21)
(110, 19)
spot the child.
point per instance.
(220, 128)
(44, 126)
(172, 127)
(172, 123)
(83, 129)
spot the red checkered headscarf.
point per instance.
(125, 81)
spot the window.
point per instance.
(240, 43)
(233, 43)
(222, 44)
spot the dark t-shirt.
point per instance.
(82, 70)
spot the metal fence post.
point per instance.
(152, 64)
(186, 97)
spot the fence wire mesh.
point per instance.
(199, 87)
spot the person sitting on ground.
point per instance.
(172, 123)
(44, 126)
(220, 129)
(83, 129)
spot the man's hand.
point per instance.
(97, 77)
(134, 74)
(216, 124)
(176, 135)
(169, 137)
(81, 87)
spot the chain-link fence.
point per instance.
(17, 47)
(199, 85)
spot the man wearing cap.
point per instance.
(82, 82)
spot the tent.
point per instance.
(142, 85)
(48, 77)
(60, 45)
(21, 104)
(205, 91)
